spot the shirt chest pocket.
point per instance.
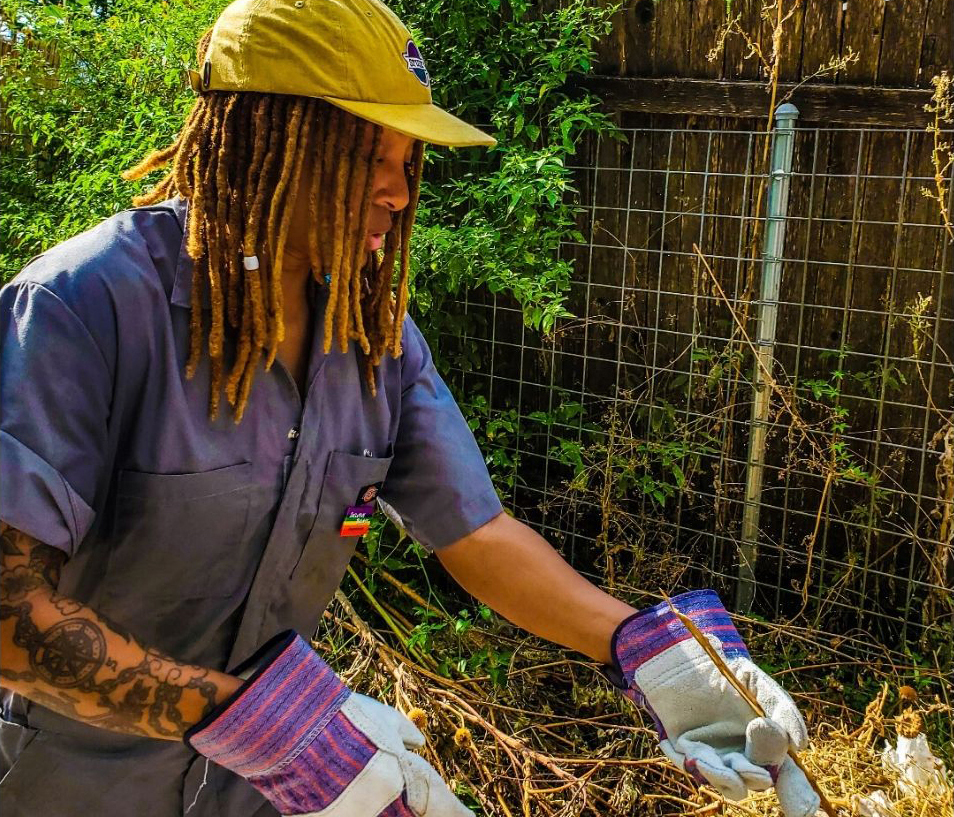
(181, 535)
(326, 552)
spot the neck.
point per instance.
(296, 270)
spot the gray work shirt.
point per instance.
(202, 538)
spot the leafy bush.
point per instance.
(89, 87)
(497, 218)
(86, 91)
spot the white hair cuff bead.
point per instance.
(250, 262)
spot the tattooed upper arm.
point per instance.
(26, 565)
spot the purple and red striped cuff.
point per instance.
(279, 711)
(649, 632)
(320, 772)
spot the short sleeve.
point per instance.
(438, 481)
(55, 394)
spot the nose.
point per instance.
(390, 187)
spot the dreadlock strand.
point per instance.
(160, 191)
(361, 193)
(158, 158)
(379, 309)
(218, 240)
(343, 177)
(258, 278)
(272, 136)
(209, 200)
(352, 217)
(194, 246)
(182, 166)
(243, 351)
(259, 134)
(234, 216)
(246, 384)
(259, 131)
(162, 156)
(282, 202)
(314, 155)
(304, 147)
(271, 175)
(407, 225)
(329, 175)
(250, 320)
(212, 258)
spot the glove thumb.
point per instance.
(427, 795)
(796, 797)
(766, 742)
(391, 720)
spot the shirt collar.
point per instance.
(182, 283)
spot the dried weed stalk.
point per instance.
(941, 107)
(555, 741)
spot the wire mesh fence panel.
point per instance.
(624, 436)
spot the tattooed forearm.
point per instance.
(65, 656)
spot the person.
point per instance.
(203, 395)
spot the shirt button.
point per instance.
(293, 434)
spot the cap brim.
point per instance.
(426, 122)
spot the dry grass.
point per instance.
(847, 764)
(555, 740)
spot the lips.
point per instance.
(376, 235)
(379, 223)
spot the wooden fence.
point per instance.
(866, 315)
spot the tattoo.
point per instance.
(10, 541)
(144, 698)
(18, 582)
(69, 607)
(46, 562)
(69, 653)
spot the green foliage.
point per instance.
(497, 217)
(91, 88)
(831, 392)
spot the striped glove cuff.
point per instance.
(282, 707)
(649, 632)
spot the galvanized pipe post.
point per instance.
(767, 309)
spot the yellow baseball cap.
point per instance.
(355, 54)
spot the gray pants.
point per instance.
(55, 767)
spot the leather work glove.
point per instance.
(313, 747)
(704, 725)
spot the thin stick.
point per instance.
(395, 582)
(395, 628)
(747, 696)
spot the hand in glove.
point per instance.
(704, 725)
(313, 747)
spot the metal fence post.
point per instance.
(772, 250)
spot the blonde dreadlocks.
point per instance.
(238, 160)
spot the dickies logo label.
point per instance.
(415, 63)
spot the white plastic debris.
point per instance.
(872, 805)
(914, 762)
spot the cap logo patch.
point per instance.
(415, 63)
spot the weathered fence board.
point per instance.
(900, 44)
(859, 105)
